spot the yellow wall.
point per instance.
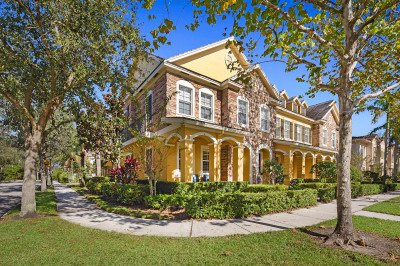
(210, 63)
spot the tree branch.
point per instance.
(375, 94)
(24, 110)
(309, 31)
(28, 95)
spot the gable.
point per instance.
(210, 60)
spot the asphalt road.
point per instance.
(10, 195)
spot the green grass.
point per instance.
(117, 209)
(50, 240)
(373, 225)
(45, 204)
(391, 206)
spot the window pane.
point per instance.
(206, 100)
(242, 112)
(206, 161)
(206, 113)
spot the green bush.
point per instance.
(366, 189)
(327, 194)
(125, 193)
(94, 185)
(238, 205)
(316, 185)
(60, 175)
(13, 172)
(355, 174)
(392, 187)
(165, 201)
(181, 188)
(265, 188)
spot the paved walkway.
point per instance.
(10, 196)
(77, 209)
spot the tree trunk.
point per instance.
(43, 187)
(385, 161)
(98, 164)
(32, 144)
(344, 231)
(396, 157)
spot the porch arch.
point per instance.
(171, 136)
(260, 147)
(192, 137)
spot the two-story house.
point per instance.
(368, 154)
(225, 130)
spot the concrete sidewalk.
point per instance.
(77, 209)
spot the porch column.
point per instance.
(238, 152)
(314, 161)
(288, 165)
(303, 166)
(187, 161)
(215, 162)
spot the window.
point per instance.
(295, 108)
(185, 100)
(243, 112)
(149, 158)
(205, 161)
(306, 135)
(278, 129)
(149, 106)
(287, 129)
(334, 139)
(297, 132)
(325, 137)
(206, 104)
(283, 102)
(303, 110)
(127, 111)
(264, 117)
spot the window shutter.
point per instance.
(278, 130)
(303, 131)
(310, 136)
(291, 131)
(282, 128)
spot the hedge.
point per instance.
(165, 201)
(265, 188)
(125, 193)
(238, 205)
(392, 187)
(13, 172)
(316, 185)
(182, 188)
(95, 183)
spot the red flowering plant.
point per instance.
(127, 173)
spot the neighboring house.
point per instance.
(218, 127)
(368, 154)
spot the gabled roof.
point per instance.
(318, 111)
(370, 136)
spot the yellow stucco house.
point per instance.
(221, 129)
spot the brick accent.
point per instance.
(227, 163)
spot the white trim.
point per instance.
(246, 144)
(244, 99)
(208, 92)
(229, 138)
(266, 107)
(308, 152)
(171, 136)
(188, 85)
(260, 147)
(178, 173)
(295, 150)
(323, 156)
(192, 137)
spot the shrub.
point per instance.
(60, 175)
(324, 170)
(316, 180)
(371, 175)
(366, 189)
(327, 194)
(166, 187)
(13, 172)
(265, 188)
(316, 185)
(273, 172)
(94, 185)
(355, 174)
(238, 205)
(165, 201)
(125, 193)
(392, 187)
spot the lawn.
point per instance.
(391, 206)
(50, 240)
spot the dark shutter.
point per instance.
(295, 132)
(310, 136)
(278, 130)
(282, 128)
(303, 132)
(291, 131)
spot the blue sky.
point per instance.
(183, 40)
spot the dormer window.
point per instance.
(283, 102)
(303, 110)
(206, 104)
(295, 107)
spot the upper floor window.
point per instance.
(243, 111)
(306, 135)
(297, 132)
(185, 105)
(127, 111)
(334, 139)
(149, 106)
(264, 117)
(278, 127)
(283, 102)
(287, 129)
(206, 104)
(295, 107)
(325, 136)
(303, 110)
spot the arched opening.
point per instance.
(227, 161)
(203, 161)
(174, 164)
(309, 161)
(298, 165)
